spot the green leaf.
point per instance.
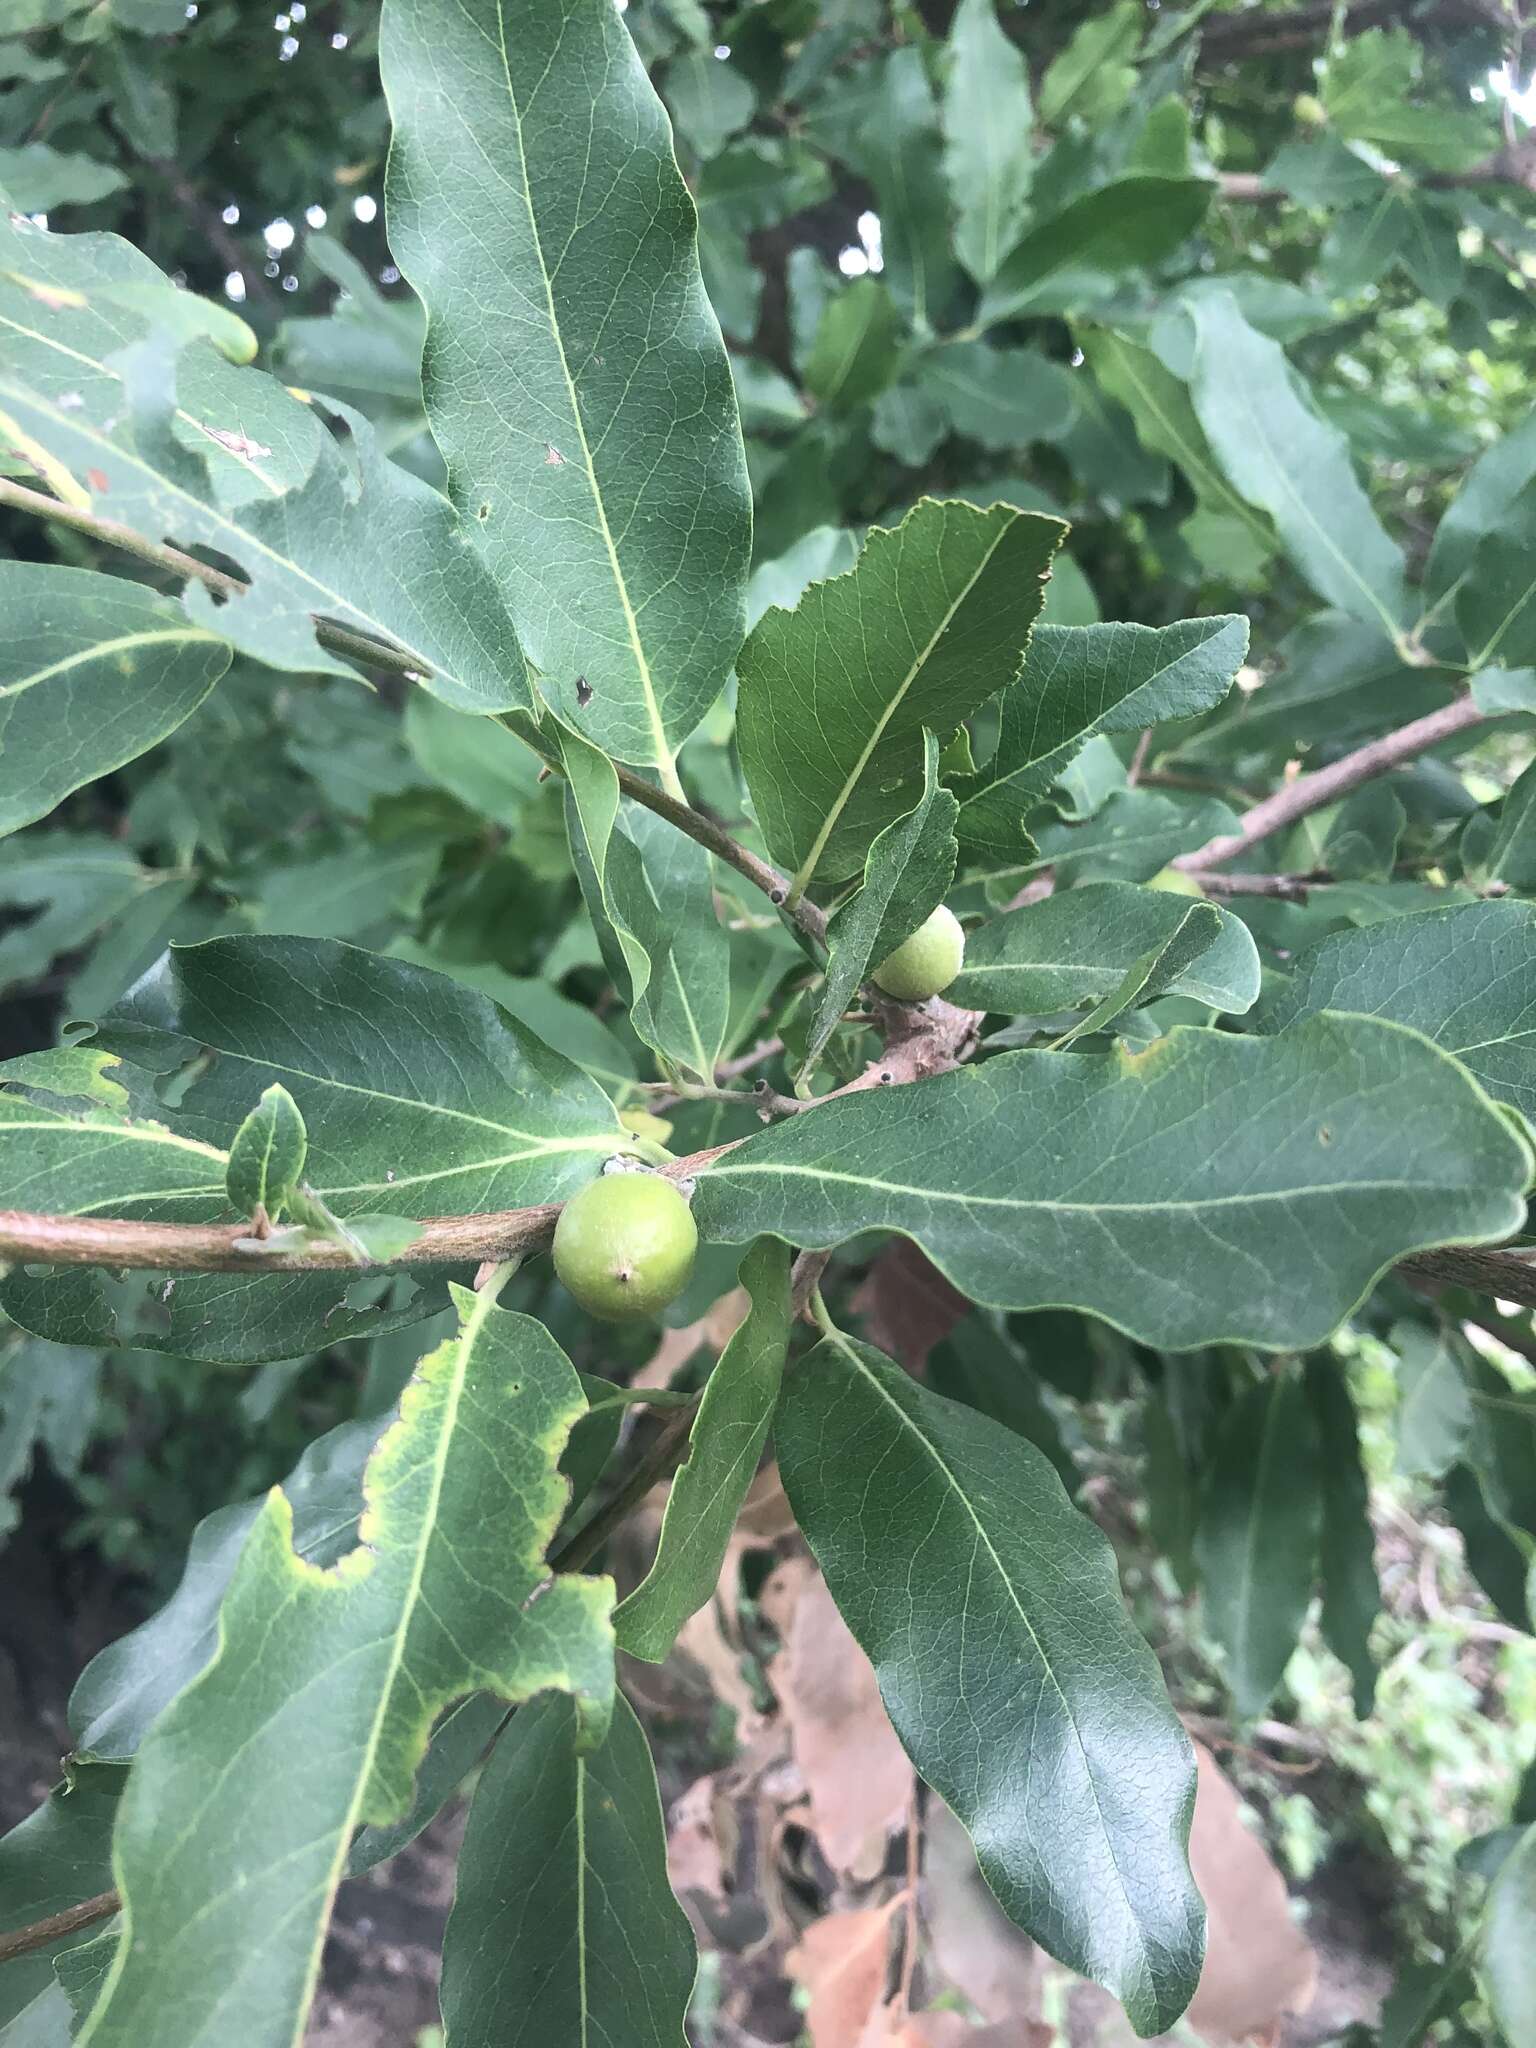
(94, 671)
(1481, 505)
(459, 1741)
(1458, 975)
(1496, 1556)
(446, 1594)
(898, 148)
(362, 543)
(266, 1155)
(1075, 947)
(59, 1856)
(1093, 75)
(1496, 601)
(1136, 832)
(1506, 1959)
(649, 890)
(1363, 835)
(909, 868)
(939, 610)
(1512, 855)
(419, 1095)
(709, 100)
(725, 1444)
(1082, 680)
(1166, 422)
(38, 179)
(1210, 1187)
(1258, 1537)
(564, 1927)
(857, 347)
(575, 376)
(989, 156)
(1434, 1416)
(1162, 968)
(1001, 398)
(990, 1609)
(1285, 459)
(1351, 1590)
(1077, 254)
(71, 1070)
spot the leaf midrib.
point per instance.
(103, 649)
(807, 868)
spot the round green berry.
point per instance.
(925, 963)
(624, 1246)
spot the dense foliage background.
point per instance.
(1244, 295)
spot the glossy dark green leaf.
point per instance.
(1073, 949)
(725, 1444)
(575, 376)
(1079, 681)
(938, 614)
(990, 1610)
(564, 1928)
(1078, 253)
(989, 156)
(1351, 1589)
(1208, 1187)
(1258, 1537)
(1461, 976)
(95, 670)
(909, 869)
(235, 1827)
(1285, 459)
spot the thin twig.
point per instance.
(1324, 786)
(668, 1451)
(1134, 773)
(21, 1941)
(1289, 888)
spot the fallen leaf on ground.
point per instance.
(842, 1961)
(826, 1687)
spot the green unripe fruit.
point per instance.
(624, 1246)
(1175, 882)
(925, 963)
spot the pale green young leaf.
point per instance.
(266, 1155)
(1209, 1187)
(1079, 681)
(94, 671)
(564, 1927)
(71, 1071)
(1258, 1536)
(1461, 976)
(317, 1706)
(724, 1446)
(990, 1610)
(575, 376)
(1157, 971)
(909, 868)
(989, 156)
(1284, 458)
(1077, 255)
(931, 621)
(1076, 946)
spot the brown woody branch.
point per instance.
(1508, 1275)
(1255, 31)
(1326, 785)
(22, 1941)
(1514, 164)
